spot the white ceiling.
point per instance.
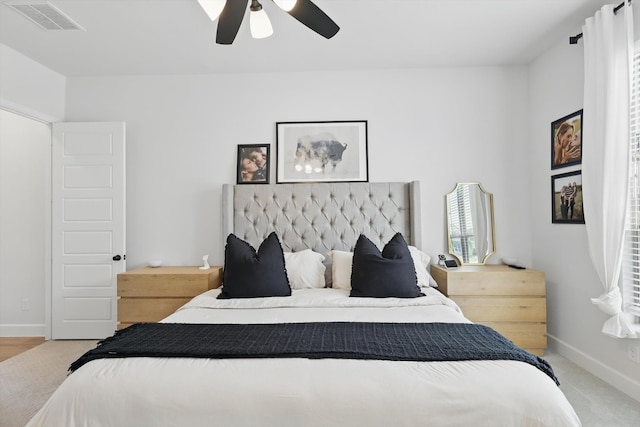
(147, 37)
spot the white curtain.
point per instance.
(608, 42)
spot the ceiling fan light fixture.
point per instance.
(305, 11)
(212, 8)
(286, 5)
(259, 21)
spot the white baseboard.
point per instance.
(36, 330)
(605, 373)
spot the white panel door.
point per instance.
(88, 226)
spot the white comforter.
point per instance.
(301, 392)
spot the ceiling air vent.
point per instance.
(44, 15)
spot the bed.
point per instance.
(342, 372)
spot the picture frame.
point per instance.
(330, 151)
(253, 164)
(566, 140)
(566, 204)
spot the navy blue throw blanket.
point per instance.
(422, 342)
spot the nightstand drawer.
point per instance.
(525, 335)
(168, 281)
(489, 280)
(134, 310)
(502, 309)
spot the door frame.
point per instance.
(48, 224)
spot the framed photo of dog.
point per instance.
(322, 151)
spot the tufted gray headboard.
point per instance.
(322, 216)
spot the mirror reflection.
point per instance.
(470, 228)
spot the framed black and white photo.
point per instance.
(322, 151)
(253, 164)
(566, 198)
(566, 141)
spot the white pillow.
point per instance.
(341, 269)
(421, 262)
(342, 264)
(304, 269)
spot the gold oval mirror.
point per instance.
(470, 228)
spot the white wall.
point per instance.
(24, 165)
(555, 90)
(30, 88)
(438, 126)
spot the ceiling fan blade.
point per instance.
(230, 20)
(311, 16)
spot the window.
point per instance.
(631, 259)
(463, 236)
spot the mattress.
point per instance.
(159, 391)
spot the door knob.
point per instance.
(117, 258)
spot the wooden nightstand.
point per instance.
(151, 294)
(511, 301)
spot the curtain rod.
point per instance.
(574, 39)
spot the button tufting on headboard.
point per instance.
(322, 216)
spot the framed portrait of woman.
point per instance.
(566, 141)
(253, 164)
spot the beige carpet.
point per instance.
(28, 379)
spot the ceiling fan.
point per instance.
(231, 12)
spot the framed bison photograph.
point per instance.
(321, 151)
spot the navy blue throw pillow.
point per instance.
(390, 273)
(248, 274)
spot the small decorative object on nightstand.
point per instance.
(151, 294)
(511, 301)
(205, 263)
